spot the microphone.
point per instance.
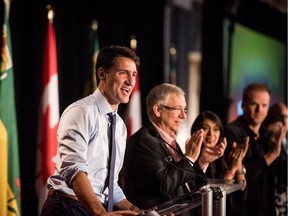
(169, 159)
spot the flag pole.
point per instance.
(133, 43)
(7, 7)
(96, 49)
(50, 14)
(133, 115)
(48, 113)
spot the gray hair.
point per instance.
(159, 94)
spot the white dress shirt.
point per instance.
(83, 146)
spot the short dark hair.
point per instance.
(252, 87)
(107, 54)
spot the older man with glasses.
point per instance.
(155, 169)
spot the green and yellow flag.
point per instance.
(9, 155)
(91, 82)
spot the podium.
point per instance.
(211, 198)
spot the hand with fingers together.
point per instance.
(194, 144)
(235, 164)
(236, 156)
(211, 153)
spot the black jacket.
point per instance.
(258, 197)
(151, 176)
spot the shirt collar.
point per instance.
(169, 138)
(102, 104)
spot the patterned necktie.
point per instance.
(174, 153)
(177, 158)
(112, 157)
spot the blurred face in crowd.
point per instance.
(275, 127)
(171, 113)
(284, 112)
(256, 109)
(211, 132)
(118, 83)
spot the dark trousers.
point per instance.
(57, 205)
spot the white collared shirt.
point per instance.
(84, 146)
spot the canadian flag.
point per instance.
(133, 117)
(48, 116)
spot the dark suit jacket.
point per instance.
(151, 176)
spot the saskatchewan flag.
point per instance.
(91, 82)
(9, 156)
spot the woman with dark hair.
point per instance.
(213, 136)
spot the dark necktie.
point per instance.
(112, 157)
(174, 153)
(177, 158)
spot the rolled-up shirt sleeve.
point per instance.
(73, 139)
(84, 147)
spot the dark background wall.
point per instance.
(118, 20)
(250, 13)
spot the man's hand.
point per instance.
(126, 205)
(120, 212)
(193, 145)
(237, 154)
(275, 145)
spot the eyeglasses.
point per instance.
(175, 109)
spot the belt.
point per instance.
(53, 192)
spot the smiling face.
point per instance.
(117, 84)
(211, 132)
(171, 113)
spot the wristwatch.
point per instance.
(242, 172)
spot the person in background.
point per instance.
(258, 197)
(155, 169)
(78, 186)
(213, 136)
(275, 120)
(278, 112)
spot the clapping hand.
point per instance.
(237, 154)
(193, 145)
(276, 141)
(211, 153)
